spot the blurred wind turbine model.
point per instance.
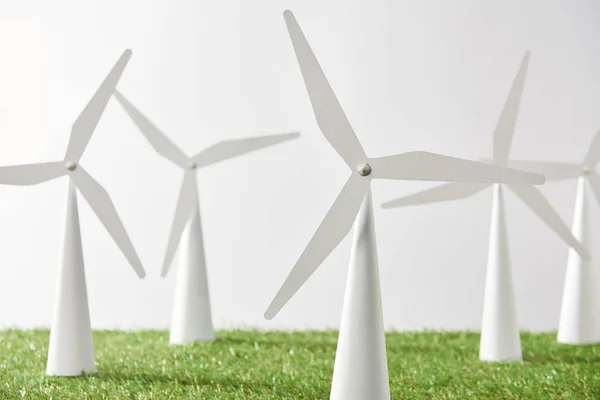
(500, 339)
(71, 350)
(579, 322)
(191, 319)
(360, 370)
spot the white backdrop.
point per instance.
(411, 75)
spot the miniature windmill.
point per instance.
(192, 320)
(71, 350)
(500, 340)
(578, 317)
(360, 370)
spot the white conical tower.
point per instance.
(360, 370)
(578, 317)
(192, 320)
(71, 350)
(500, 338)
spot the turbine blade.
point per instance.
(158, 140)
(84, 126)
(505, 127)
(593, 154)
(103, 207)
(537, 202)
(334, 227)
(31, 174)
(594, 181)
(445, 192)
(424, 166)
(232, 148)
(553, 171)
(329, 114)
(188, 198)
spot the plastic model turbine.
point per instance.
(578, 317)
(500, 339)
(192, 320)
(71, 350)
(360, 370)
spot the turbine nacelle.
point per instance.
(364, 169)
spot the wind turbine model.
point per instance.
(192, 320)
(500, 340)
(360, 370)
(71, 350)
(578, 317)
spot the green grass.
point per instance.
(276, 365)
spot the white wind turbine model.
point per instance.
(71, 350)
(191, 319)
(360, 370)
(578, 317)
(500, 339)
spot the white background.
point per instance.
(411, 75)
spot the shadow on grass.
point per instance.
(226, 383)
(296, 342)
(561, 357)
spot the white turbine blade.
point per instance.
(424, 166)
(445, 192)
(84, 126)
(505, 127)
(158, 140)
(329, 114)
(103, 207)
(232, 148)
(594, 180)
(30, 174)
(593, 154)
(538, 203)
(553, 171)
(188, 198)
(334, 227)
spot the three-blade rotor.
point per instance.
(92, 191)
(558, 171)
(188, 193)
(408, 166)
(531, 196)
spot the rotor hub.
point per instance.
(586, 169)
(193, 165)
(364, 169)
(71, 165)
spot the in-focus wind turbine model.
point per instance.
(500, 339)
(71, 350)
(360, 370)
(192, 320)
(579, 323)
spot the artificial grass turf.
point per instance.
(299, 365)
